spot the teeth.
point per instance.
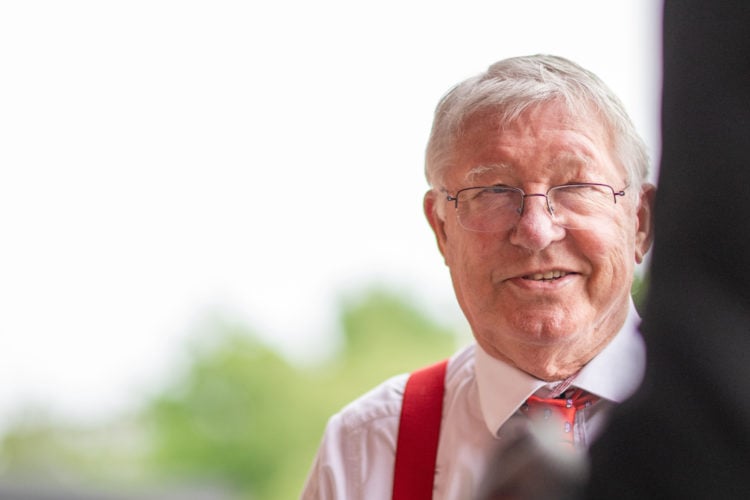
(549, 275)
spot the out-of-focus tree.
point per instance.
(240, 415)
(44, 450)
(385, 335)
(227, 418)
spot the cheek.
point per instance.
(471, 249)
(471, 258)
(611, 254)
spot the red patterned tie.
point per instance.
(563, 410)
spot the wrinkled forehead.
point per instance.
(589, 144)
(577, 164)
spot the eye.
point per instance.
(499, 189)
(491, 193)
(583, 198)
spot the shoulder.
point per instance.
(461, 366)
(381, 403)
(384, 401)
(461, 384)
(355, 458)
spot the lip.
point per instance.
(546, 275)
(544, 279)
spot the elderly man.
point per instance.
(541, 211)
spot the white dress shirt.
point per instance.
(356, 457)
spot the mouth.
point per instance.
(546, 276)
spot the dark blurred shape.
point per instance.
(534, 466)
(686, 433)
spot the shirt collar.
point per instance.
(614, 374)
(617, 371)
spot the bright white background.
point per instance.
(164, 160)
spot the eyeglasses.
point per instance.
(498, 208)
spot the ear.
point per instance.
(431, 200)
(645, 229)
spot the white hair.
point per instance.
(511, 86)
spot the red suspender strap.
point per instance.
(418, 432)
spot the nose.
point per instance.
(535, 229)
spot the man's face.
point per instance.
(549, 327)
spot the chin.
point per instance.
(543, 321)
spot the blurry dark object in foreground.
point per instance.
(686, 433)
(534, 466)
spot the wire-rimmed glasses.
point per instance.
(498, 208)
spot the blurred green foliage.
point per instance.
(236, 416)
(639, 290)
(243, 416)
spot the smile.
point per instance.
(548, 276)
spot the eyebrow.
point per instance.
(568, 158)
(564, 159)
(577, 163)
(483, 169)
